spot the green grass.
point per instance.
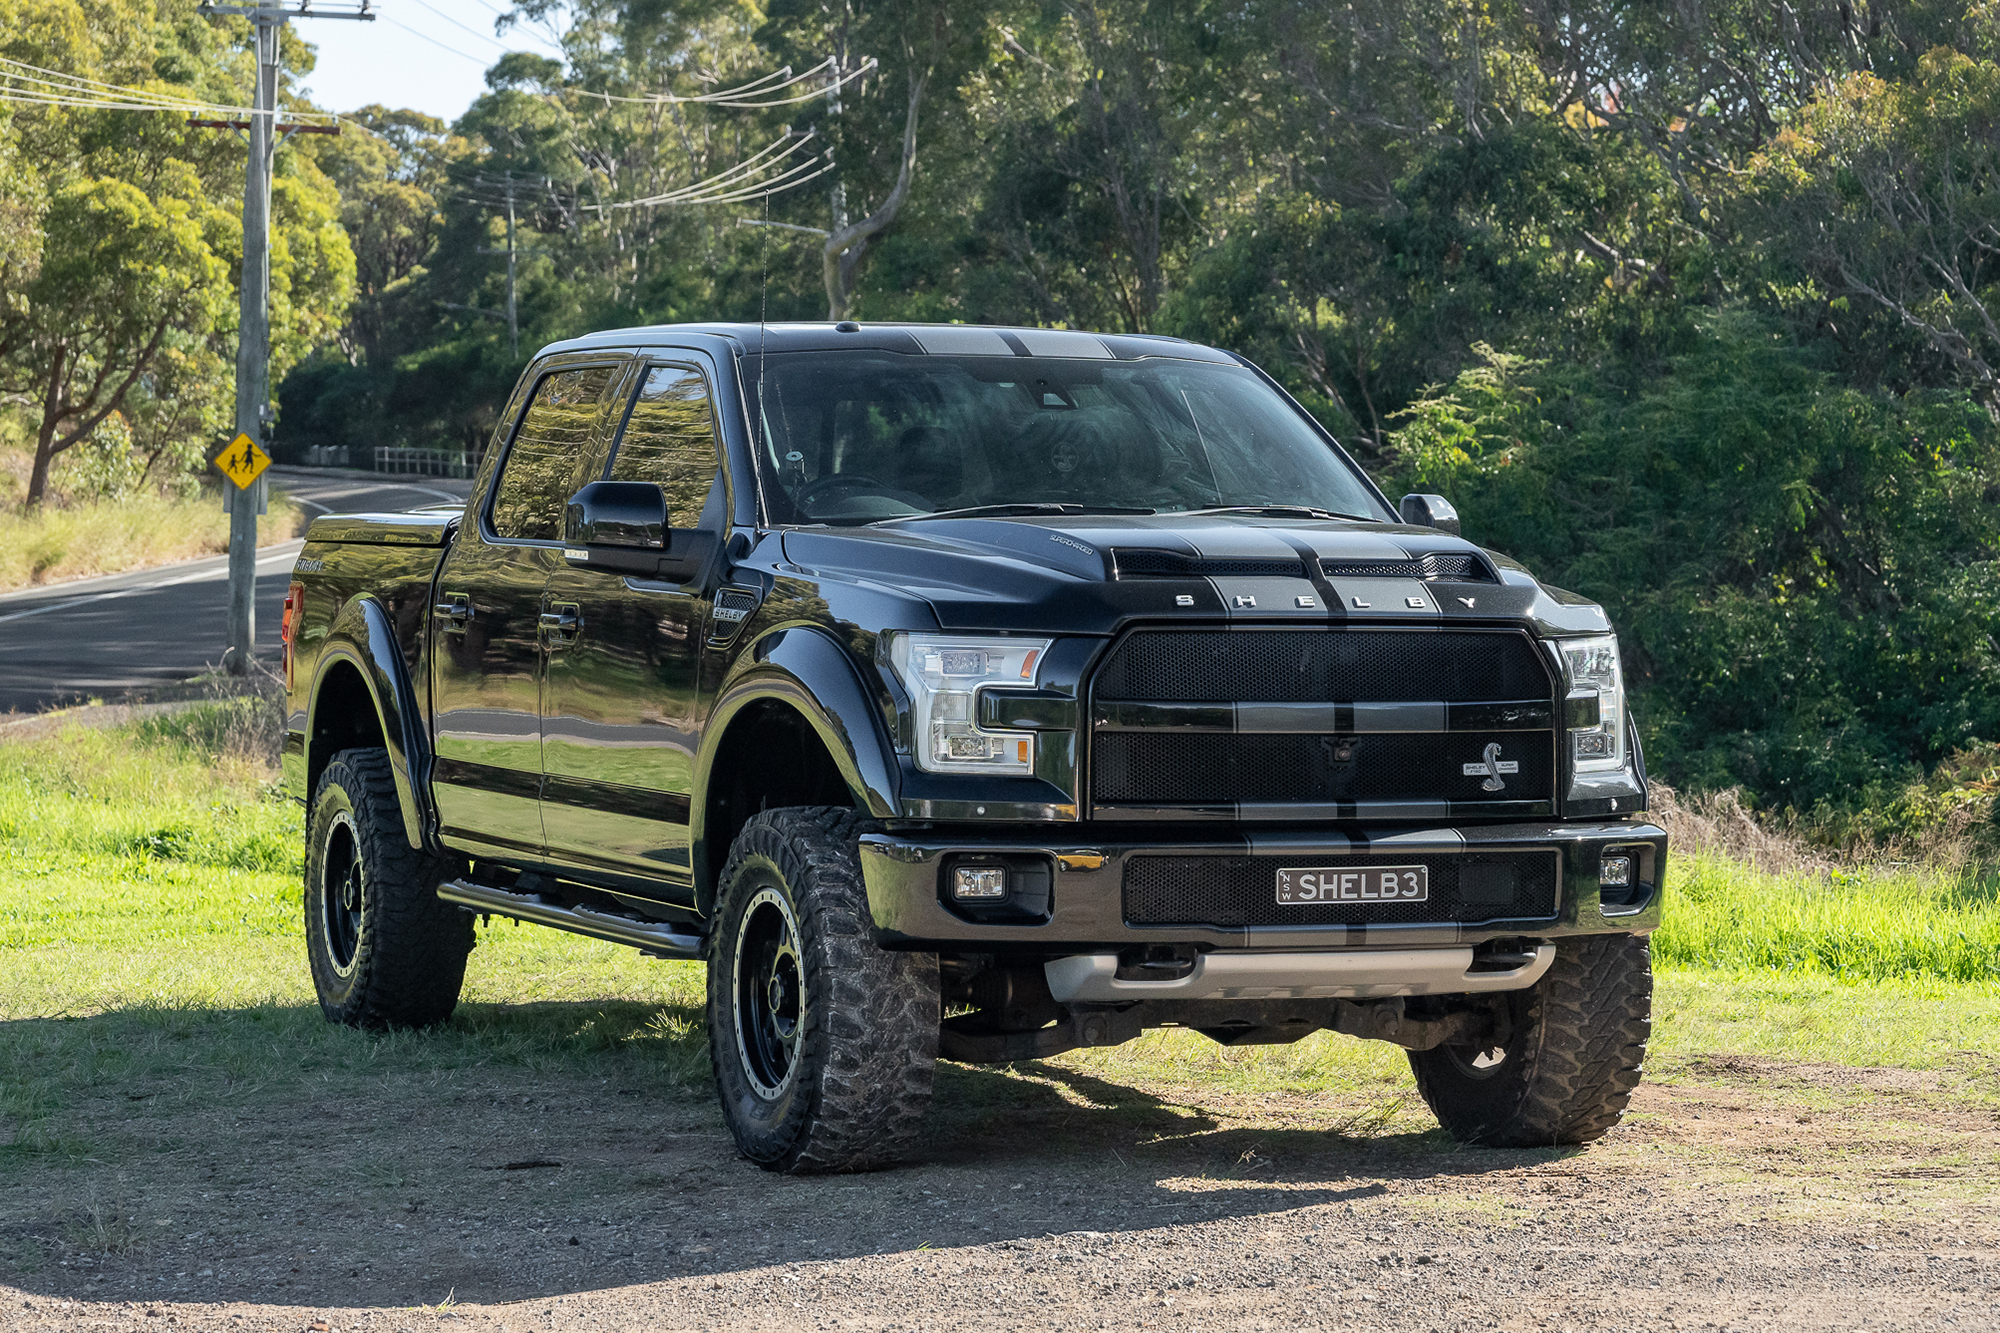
(1870, 925)
(141, 867)
(150, 886)
(150, 937)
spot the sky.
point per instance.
(427, 55)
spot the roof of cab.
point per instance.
(910, 339)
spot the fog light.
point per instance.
(979, 884)
(1614, 872)
(1592, 745)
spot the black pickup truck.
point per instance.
(977, 693)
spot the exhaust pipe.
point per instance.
(658, 939)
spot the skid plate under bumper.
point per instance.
(1346, 974)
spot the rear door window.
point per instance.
(549, 453)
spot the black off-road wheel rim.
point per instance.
(340, 895)
(768, 993)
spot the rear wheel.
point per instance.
(384, 951)
(1565, 1059)
(823, 1044)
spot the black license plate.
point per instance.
(1347, 884)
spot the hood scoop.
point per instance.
(1131, 564)
(1452, 566)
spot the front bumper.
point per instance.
(904, 869)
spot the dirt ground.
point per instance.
(1739, 1195)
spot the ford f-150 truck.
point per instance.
(977, 693)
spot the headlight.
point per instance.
(1592, 665)
(944, 673)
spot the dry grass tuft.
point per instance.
(50, 545)
(232, 720)
(1944, 827)
(1716, 822)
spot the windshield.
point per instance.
(861, 437)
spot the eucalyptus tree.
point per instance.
(116, 287)
(1887, 195)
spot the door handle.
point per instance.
(561, 624)
(455, 611)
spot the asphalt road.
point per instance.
(108, 637)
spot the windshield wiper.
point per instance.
(1281, 511)
(1018, 507)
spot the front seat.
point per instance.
(930, 462)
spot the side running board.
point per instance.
(658, 938)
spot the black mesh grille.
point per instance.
(1322, 666)
(1168, 768)
(1174, 565)
(1455, 567)
(1242, 890)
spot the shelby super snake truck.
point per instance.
(975, 693)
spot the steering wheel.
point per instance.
(808, 498)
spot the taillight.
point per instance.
(295, 602)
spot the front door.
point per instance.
(619, 728)
(492, 625)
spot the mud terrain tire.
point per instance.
(384, 951)
(1567, 1068)
(823, 1044)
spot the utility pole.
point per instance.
(513, 279)
(513, 316)
(838, 199)
(253, 346)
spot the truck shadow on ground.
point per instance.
(259, 1154)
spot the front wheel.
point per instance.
(1566, 1056)
(823, 1044)
(385, 951)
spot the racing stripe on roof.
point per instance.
(961, 340)
(1064, 342)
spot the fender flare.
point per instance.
(362, 637)
(805, 668)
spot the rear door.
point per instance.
(491, 622)
(619, 715)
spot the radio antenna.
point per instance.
(763, 307)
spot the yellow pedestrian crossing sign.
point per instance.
(242, 461)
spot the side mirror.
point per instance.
(621, 527)
(624, 514)
(1429, 511)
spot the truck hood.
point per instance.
(1091, 574)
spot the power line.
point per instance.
(738, 97)
(484, 37)
(748, 179)
(435, 42)
(772, 169)
(73, 82)
(554, 38)
(61, 89)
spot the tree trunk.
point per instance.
(58, 406)
(45, 437)
(841, 258)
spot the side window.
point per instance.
(670, 439)
(535, 482)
